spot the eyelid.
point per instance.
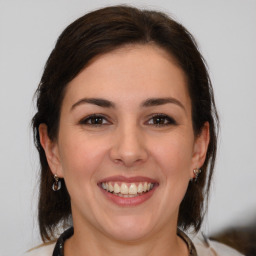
(84, 120)
(106, 120)
(171, 120)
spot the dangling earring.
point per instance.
(56, 184)
(196, 172)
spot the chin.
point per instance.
(129, 229)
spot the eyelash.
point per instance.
(92, 120)
(94, 117)
(162, 117)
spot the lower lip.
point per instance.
(129, 201)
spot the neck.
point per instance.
(92, 242)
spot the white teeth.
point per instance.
(133, 189)
(124, 189)
(110, 188)
(145, 187)
(116, 188)
(121, 195)
(127, 189)
(140, 188)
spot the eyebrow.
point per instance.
(109, 104)
(161, 101)
(95, 101)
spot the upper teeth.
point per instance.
(127, 188)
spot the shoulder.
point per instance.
(41, 250)
(208, 247)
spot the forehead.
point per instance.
(130, 72)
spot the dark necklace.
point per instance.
(189, 243)
(59, 247)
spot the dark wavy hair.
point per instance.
(100, 32)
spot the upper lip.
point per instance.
(128, 179)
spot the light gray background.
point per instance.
(226, 34)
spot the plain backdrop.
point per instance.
(226, 33)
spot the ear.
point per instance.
(51, 151)
(200, 147)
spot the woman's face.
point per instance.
(126, 146)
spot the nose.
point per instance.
(129, 147)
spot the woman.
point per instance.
(126, 133)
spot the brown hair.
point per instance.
(99, 32)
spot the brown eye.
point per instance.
(161, 120)
(94, 120)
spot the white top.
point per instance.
(212, 248)
(203, 248)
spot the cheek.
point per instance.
(80, 156)
(174, 156)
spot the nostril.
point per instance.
(128, 150)
(118, 162)
(128, 161)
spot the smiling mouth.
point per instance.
(128, 190)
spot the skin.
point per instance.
(127, 141)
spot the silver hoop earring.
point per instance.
(196, 172)
(56, 184)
